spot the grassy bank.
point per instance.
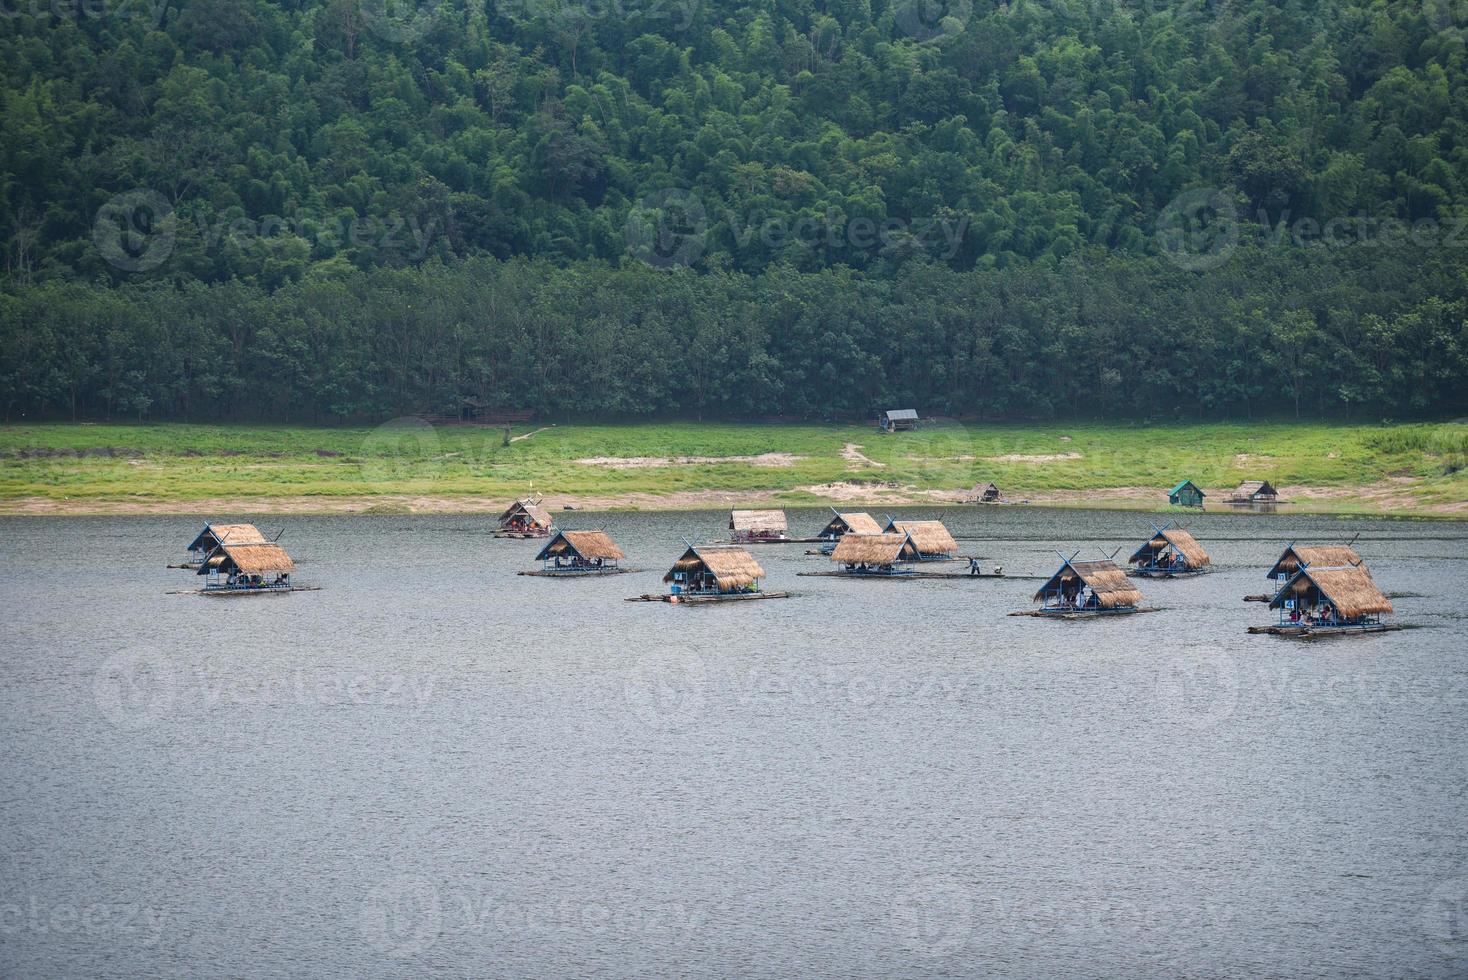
(1410, 469)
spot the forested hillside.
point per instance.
(362, 208)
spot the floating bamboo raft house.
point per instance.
(713, 573)
(1326, 556)
(247, 568)
(988, 494)
(1065, 594)
(573, 553)
(1337, 600)
(1254, 492)
(843, 524)
(882, 555)
(760, 527)
(1169, 552)
(213, 535)
(933, 541)
(525, 519)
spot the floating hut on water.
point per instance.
(244, 568)
(841, 525)
(1065, 594)
(900, 420)
(572, 553)
(933, 541)
(1335, 600)
(884, 555)
(713, 573)
(214, 534)
(1326, 556)
(525, 519)
(1171, 551)
(758, 526)
(1186, 494)
(1254, 492)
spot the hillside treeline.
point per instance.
(1369, 333)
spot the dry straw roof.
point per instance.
(874, 549)
(1109, 582)
(1327, 556)
(731, 566)
(757, 520)
(854, 523)
(931, 537)
(590, 545)
(233, 533)
(1183, 542)
(258, 558)
(1349, 588)
(530, 508)
(1250, 487)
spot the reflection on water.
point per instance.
(434, 766)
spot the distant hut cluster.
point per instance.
(899, 420)
(580, 553)
(1088, 588)
(1169, 552)
(525, 519)
(758, 526)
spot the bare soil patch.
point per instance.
(852, 453)
(772, 460)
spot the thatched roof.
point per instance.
(855, 522)
(731, 566)
(758, 520)
(258, 558)
(233, 533)
(1109, 582)
(1182, 542)
(590, 545)
(1325, 556)
(1251, 487)
(875, 549)
(531, 509)
(1349, 588)
(931, 537)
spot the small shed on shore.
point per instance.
(757, 525)
(1170, 550)
(579, 551)
(876, 554)
(855, 522)
(1186, 494)
(900, 420)
(1254, 492)
(1343, 595)
(715, 569)
(1109, 585)
(987, 494)
(932, 538)
(526, 518)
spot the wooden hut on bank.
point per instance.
(1329, 601)
(1087, 588)
(1170, 551)
(714, 573)
(934, 542)
(758, 526)
(899, 420)
(988, 494)
(525, 519)
(257, 566)
(1186, 494)
(572, 553)
(214, 535)
(1254, 492)
(881, 555)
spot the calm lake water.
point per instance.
(435, 767)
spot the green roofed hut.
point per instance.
(576, 553)
(1186, 494)
(1082, 589)
(1168, 553)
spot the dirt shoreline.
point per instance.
(1389, 499)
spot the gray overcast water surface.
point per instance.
(436, 767)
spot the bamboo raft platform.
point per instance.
(750, 541)
(917, 574)
(218, 593)
(1085, 613)
(1321, 632)
(577, 572)
(1180, 573)
(686, 599)
(522, 534)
